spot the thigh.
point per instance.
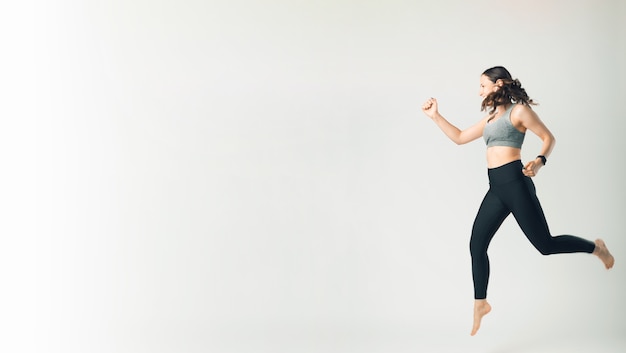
(525, 206)
(491, 214)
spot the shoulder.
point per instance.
(522, 113)
(519, 108)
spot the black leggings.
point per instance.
(512, 192)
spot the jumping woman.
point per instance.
(511, 189)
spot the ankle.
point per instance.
(480, 303)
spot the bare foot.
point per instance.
(481, 308)
(603, 253)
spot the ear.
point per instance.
(499, 83)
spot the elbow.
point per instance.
(551, 140)
(548, 139)
(461, 141)
(457, 139)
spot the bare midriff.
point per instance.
(500, 155)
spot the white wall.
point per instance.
(184, 176)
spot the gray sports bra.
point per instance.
(502, 132)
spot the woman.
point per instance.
(510, 188)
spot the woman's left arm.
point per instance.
(527, 118)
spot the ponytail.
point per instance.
(511, 90)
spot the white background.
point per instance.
(256, 176)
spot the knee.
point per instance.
(544, 249)
(477, 248)
(544, 252)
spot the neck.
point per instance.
(502, 108)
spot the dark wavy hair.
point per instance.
(510, 92)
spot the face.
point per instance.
(486, 86)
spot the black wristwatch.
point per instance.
(543, 159)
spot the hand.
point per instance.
(430, 108)
(532, 168)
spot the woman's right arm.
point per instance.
(457, 136)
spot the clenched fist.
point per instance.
(430, 107)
